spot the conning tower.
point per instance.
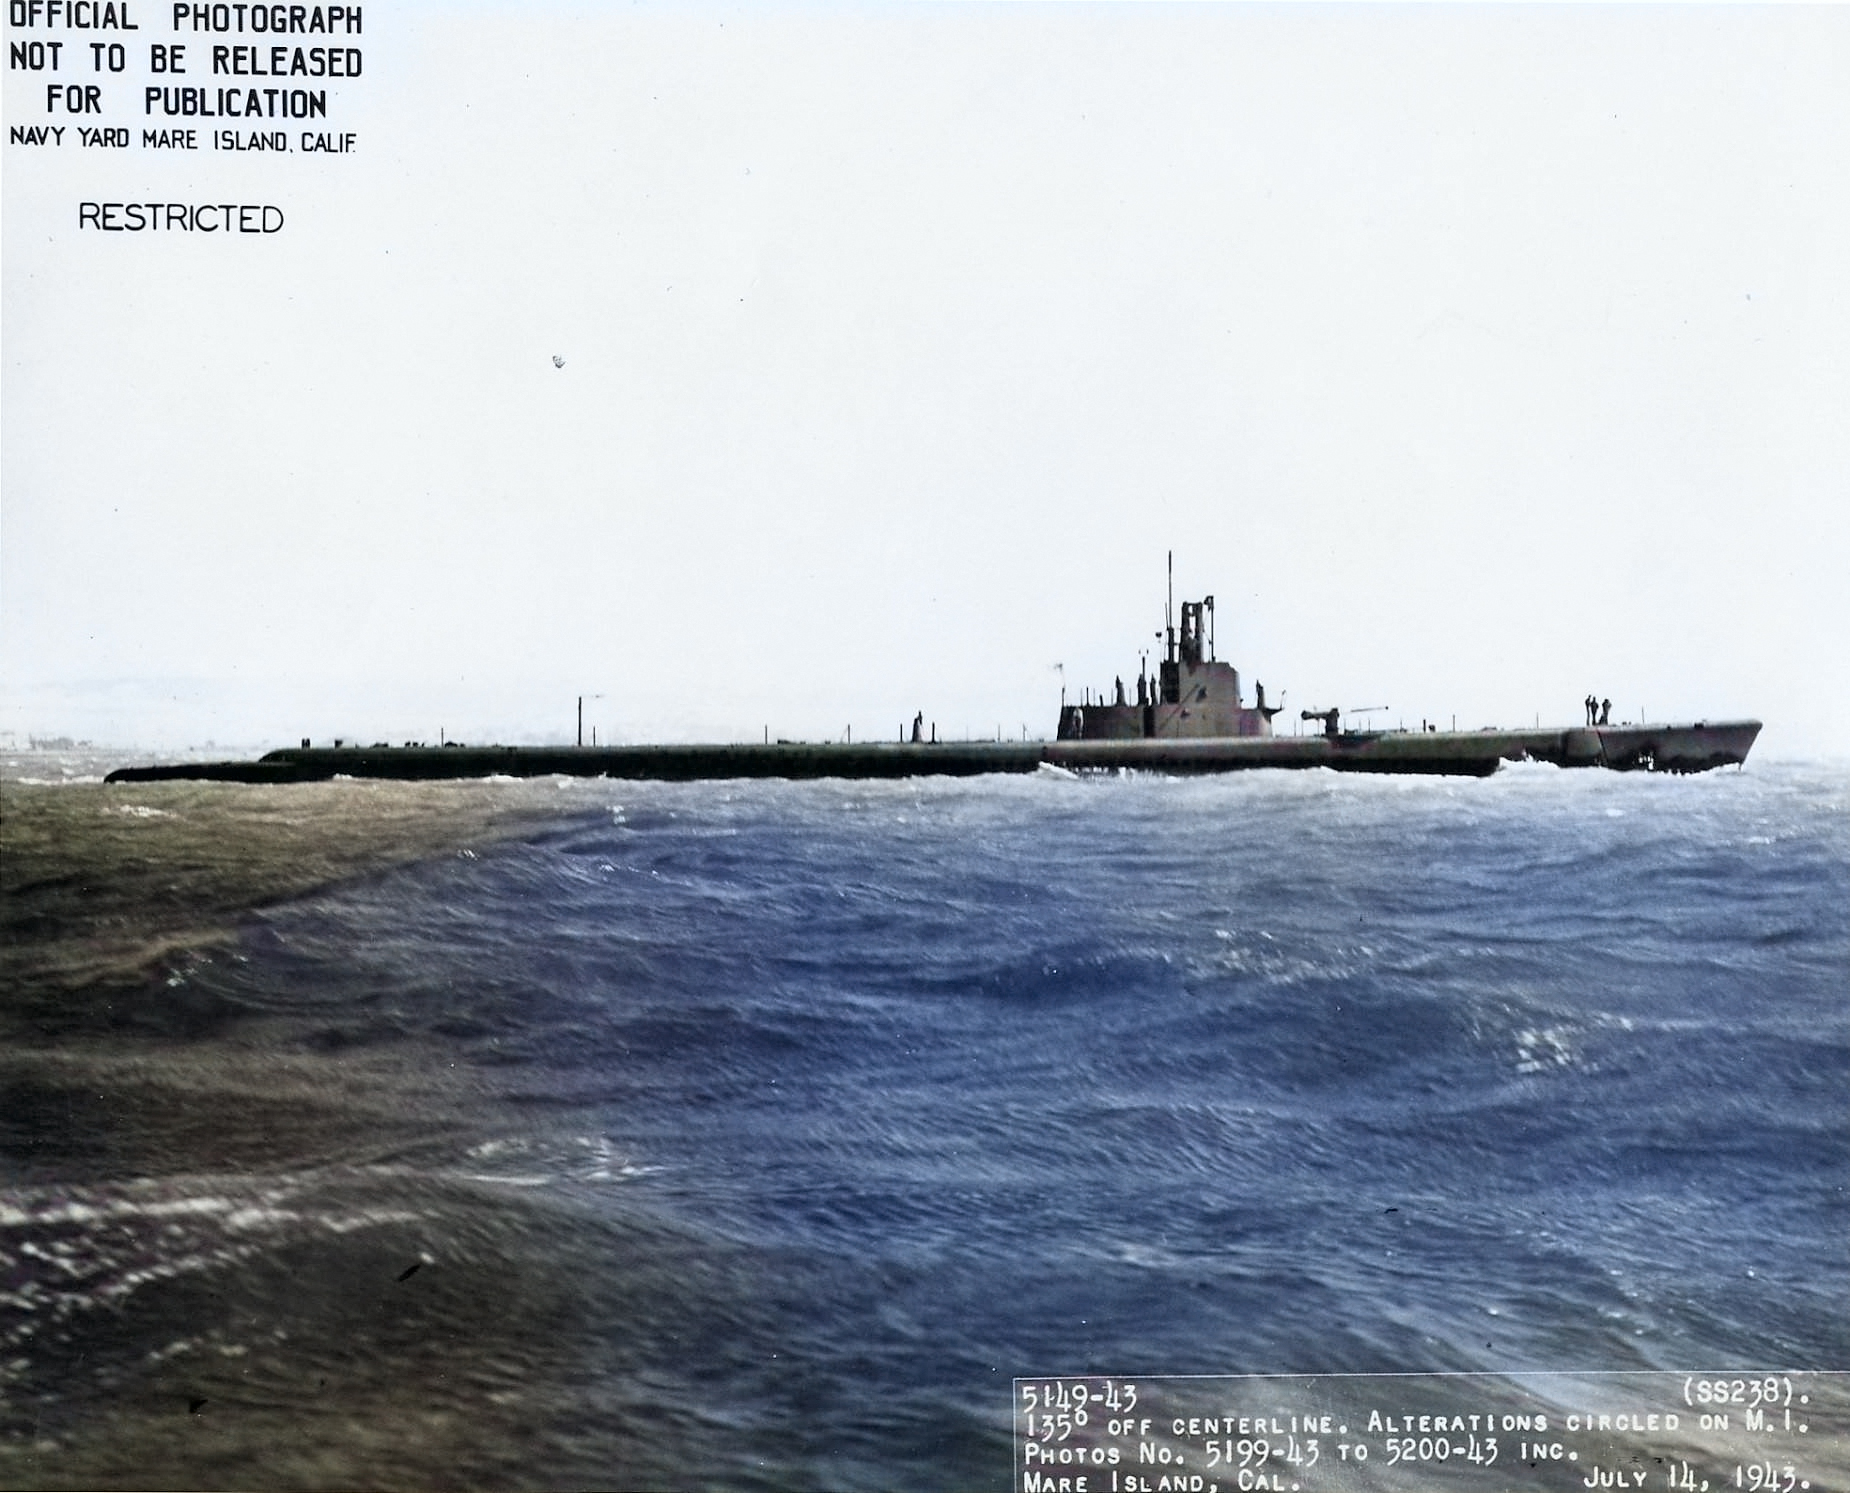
(1192, 693)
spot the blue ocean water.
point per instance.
(758, 1135)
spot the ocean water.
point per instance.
(758, 1135)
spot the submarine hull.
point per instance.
(1668, 748)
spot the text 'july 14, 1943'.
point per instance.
(1768, 1432)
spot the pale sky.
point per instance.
(1472, 357)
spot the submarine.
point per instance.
(1190, 715)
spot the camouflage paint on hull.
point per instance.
(1669, 748)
